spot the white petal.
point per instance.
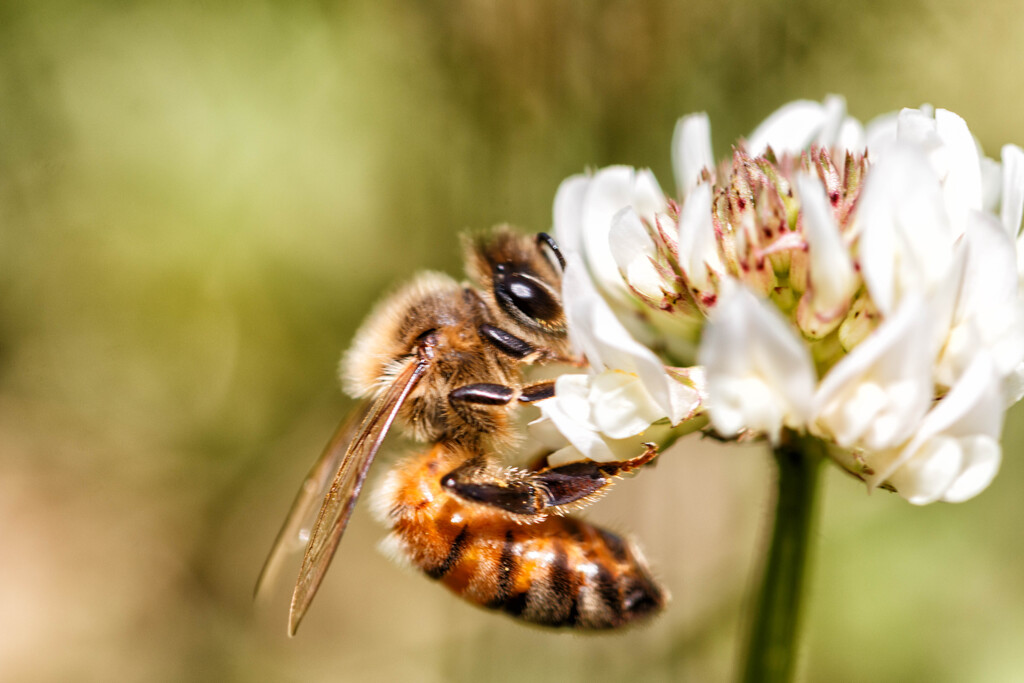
(931, 471)
(568, 213)
(989, 292)
(600, 336)
(982, 455)
(917, 127)
(1012, 197)
(621, 406)
(577, 295)
(564, 456)
(973, 405)
(991, 184)
(988, 312)
(1020, 261)
(759, 374)
(738, 403)
(1013, 386)
(851, 136)
(691, 151)
(832, 278)
(687, 398)
(946, 141)
(698, 247)
(835, 115)
(611, 190)
(604, 340)
(634, 251)
(961, 428)
(544, 432)
(575, 412)
(612, 449)
(569, 410)
(789, 130)
(962, 183)
(876, 396)
(906, 243)
(573, 393)
(880, 134)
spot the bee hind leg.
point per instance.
(544, 490)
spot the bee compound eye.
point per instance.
(531, 298)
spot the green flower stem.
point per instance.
(773, 646)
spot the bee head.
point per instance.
(518, 276)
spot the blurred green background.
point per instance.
(200, 200)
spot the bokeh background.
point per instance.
(200, 200)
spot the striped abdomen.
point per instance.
(559, 571)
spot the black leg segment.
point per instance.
(507, 343)
(484, 394)
(537, 392)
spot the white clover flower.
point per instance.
(861, 285)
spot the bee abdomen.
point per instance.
(586, 579)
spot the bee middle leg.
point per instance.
(538, 492)
(499, 394)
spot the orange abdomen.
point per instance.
(559, 571)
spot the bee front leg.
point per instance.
(520, 349)
(536, 493)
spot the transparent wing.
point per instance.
(301, 515)
(348, 482)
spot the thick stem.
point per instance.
(774, 631)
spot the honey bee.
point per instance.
(445, 360)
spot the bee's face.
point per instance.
(521, 282)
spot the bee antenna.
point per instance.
(553, 245)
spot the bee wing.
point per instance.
(300, 516)
(348, 482)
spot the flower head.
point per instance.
(860, 284)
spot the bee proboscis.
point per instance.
(445, 360)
